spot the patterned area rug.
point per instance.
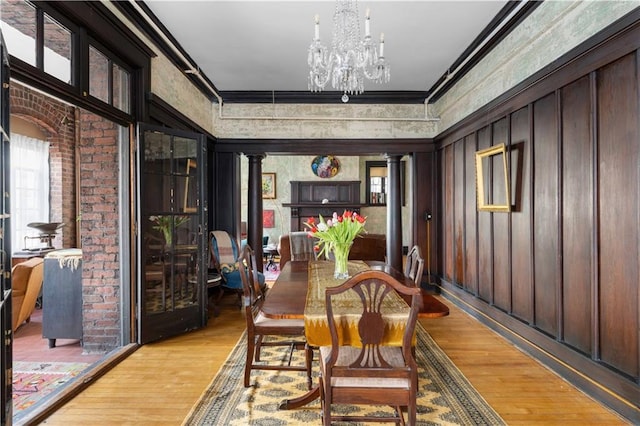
(271, 272)
(32, 381)
(445, 397)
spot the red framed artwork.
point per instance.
(268, 219)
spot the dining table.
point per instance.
(296, 291)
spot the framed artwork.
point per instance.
(325, 166)
(492, 179)
(269, 185)
(268, 219)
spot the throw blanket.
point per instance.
(226, 252)
(302, 246)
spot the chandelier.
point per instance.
(351, 60)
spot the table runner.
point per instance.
(347, 309)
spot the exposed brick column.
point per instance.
(99, 229)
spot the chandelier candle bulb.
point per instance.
(381, 45)
(367, 32)
(317, 27)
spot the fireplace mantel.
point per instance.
(313, 198)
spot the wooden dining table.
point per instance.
(287, 299)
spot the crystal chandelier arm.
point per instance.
(320, 65)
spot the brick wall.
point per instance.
(99, 232)
(56, 119)
(98, 210)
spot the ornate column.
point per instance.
(254, 210)
(394, 213)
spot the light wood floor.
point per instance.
(159, 383)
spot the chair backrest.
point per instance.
(415, 265)
(223, 248)
(372, 287)
(252, 293)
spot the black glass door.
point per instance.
(172, 232)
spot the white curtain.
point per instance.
(29, 188)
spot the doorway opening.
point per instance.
(84, 196)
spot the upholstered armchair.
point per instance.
(224, 258)
(26, 283)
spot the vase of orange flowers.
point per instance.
(335, 238)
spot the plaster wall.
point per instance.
(554, 28)
(170, 83)
(313, 121)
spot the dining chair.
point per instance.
(415, 265)
(286, 332)
(369, 372)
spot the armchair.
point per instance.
(26, 283)
(224, 258)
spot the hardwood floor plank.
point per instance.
(159, 383)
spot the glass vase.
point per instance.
(341, 259)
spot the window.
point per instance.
(57, 50)
(41, 37)
(108, 81)
(121, 89)
(29, 187)
(98, 75)
(18, 21)
(377, 182)
(46, 46)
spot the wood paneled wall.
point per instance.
(561, 269)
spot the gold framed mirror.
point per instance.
(492, 179)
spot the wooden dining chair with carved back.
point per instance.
(369, 372)
(415, 265)
(289, 332)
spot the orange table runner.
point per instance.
(347, 309)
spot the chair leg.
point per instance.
(239, 299)
(258, 348)
(308, 355)
(411, 414)
(326, 405)
(248, 365)
(400, 416)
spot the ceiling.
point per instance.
(262, 45)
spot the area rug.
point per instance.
(445, 396)
(32, 381)
(271, 272)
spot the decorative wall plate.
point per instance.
(325, 166)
